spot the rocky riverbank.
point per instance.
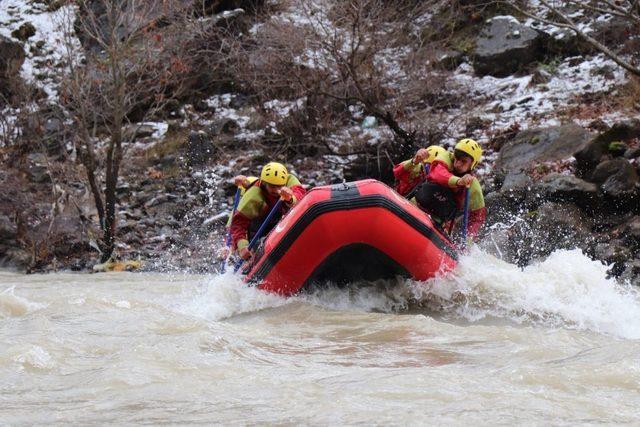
(559, 123)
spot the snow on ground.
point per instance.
(283, 108)
(46, 49)
(505, 101)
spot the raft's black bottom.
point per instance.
(355, 262)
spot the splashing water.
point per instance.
(225, 295)
(568, 290)
(12, 305)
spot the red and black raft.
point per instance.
(341, 233)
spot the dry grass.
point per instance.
(629, 95)
(175, 140)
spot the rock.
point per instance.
(200, 149)
(607, 168)
(531, 235)
(562, 188)
(224, 126)
(68, 237)
(617, 176)
(632, 229)
(144, 130)
(17, 258)
(11, 58)
(631, 273)
(506, 46)
(537, 145)
(590, 155)
(564, 42)
(617, 148)
(450, 60)
(8, 229)
(632, 153)
(562, 226)
(614, 252)
(25, 31)
(37, 170)
(516, 181)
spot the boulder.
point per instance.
(617, 148)
(8, 229)
(24, 32)
(529, 235)
(631, 273)
(11, 58)
(632, 153)
(615, 253)
(561, 226)
(534, 146)
(560, 188)
(589, 156)
(617, 177)
(505, 46)
(632, 230)
(564, 42)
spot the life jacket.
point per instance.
(437, 201)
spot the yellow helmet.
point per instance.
(436, 152)
(274, 173)
(470, 147)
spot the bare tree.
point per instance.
(127, 73)
(562, 15)
(368, 54)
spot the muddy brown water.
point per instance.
(555, 344)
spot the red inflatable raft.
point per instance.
(355, 231)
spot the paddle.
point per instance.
(236, 200)
(258, 234)
(465, 217)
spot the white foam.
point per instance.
(223, 296)
(567, 289)
(35, 357)
(13, 306)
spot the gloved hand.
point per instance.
(241, 181)
(245, 253)
(285, 194)
(223, 253)
(465, 181)
(421, 155)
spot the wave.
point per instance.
(567, 289)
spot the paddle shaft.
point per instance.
(236, 200)
(258, 234)
(465, 217)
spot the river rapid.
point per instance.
(491, 344)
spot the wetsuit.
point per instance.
(409, 175)
(253, 208)
(440, 173)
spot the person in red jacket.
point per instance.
(275, 183)
(410, 173)
(458, 177)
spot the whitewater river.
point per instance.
(554, 344)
